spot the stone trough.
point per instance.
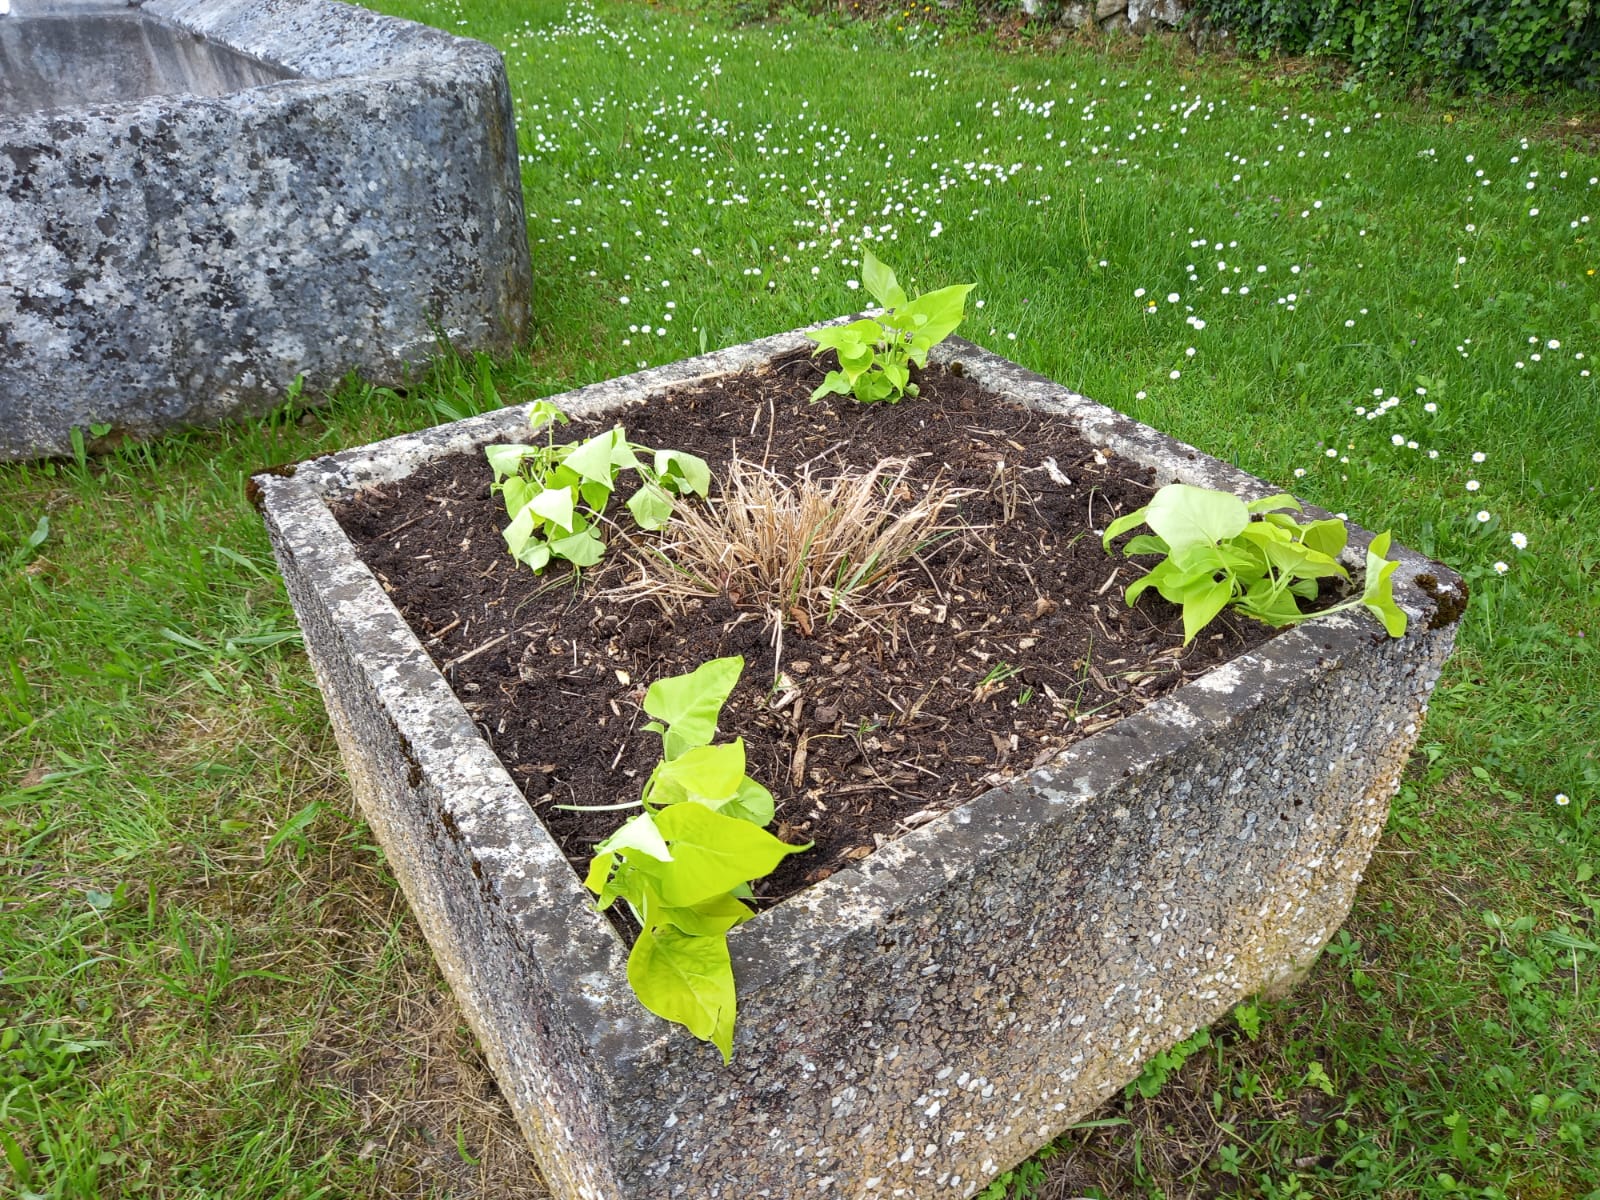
(916, 1024)
(201, 200)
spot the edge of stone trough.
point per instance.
(600, 1007)
(327, 40)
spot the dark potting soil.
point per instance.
(1011, 640)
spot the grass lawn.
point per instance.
(211, 987)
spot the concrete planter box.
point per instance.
(914, 1025)
(202, 199)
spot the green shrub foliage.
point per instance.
(1471, 45)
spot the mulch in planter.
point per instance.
(1014, 641)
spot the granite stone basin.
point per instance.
(203, 200)
(918, 1023)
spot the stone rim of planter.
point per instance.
(592, 1077)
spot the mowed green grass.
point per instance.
(210, 985)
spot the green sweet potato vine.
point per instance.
(683, 865)
(1221, 551)
(556, 495)
(874, 355)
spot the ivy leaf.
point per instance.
(1378, 594)
(711, 853)
(688, 980)
(688, 705)
(1183, 515)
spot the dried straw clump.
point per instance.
(805, 551)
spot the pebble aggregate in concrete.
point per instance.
(179, 260)
(925, 1020)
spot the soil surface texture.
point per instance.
(1001, 644)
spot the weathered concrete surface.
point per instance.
(917, 1024)
(177, 260)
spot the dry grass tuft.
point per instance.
(806, 551)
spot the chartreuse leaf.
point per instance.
(834, 383)
(751, 802)
(1146, 543)
(880, 281)
(637, 833)
(592, 459)
(542, 413)
(685, 707)
(1121, 525)
(709, 918)
(686, 979)
(707, 775)
(1202, 601)
(1273, 503)
(1182, 515)
(650, 506)
(683, 472)
(516, 491)
(874, 358)
(711, 853)
(581, 549)
(519, 531)
(1326, 537)
(555, 506)
(684, 865)
(507, 460)
(1378, 594)
(932, 317)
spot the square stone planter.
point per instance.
(916, 1024)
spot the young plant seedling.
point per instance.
(1221, 551)
(684, 864)
(556, 495)
(874, 355)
